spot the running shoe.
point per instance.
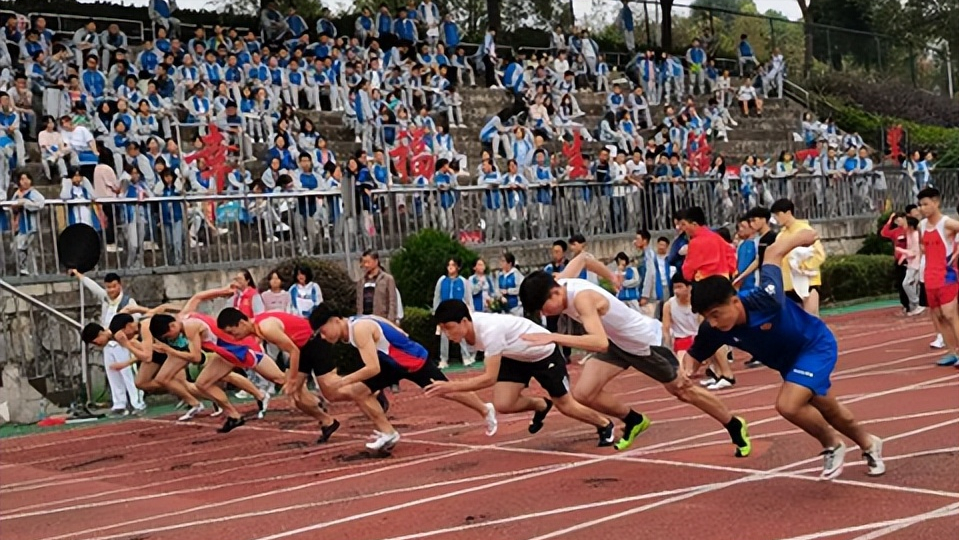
(242, 394)
(383, 401)
(833, 459)
(217, 411)
(536, 423)
(753, 363)
(744, 446)
(190, 414)
(491, 423)
(631, 432)
(231, 424)
(948, 360)
(119, 413)
(873, 457)
(327, 431)
(262, 404)
(708, 381)
(607, 435)
(938, 343)
(918, 310)
(383, 442)
(443, 364)
(721, 384)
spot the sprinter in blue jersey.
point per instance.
(389, 355)
(778, 333)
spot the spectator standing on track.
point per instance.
(783, 210)
(376, 290)
(452, 286)
(122, 383)
(895, 231)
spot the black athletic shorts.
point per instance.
(660, 364)
(923, 301)
(158, 358)
(391, 374)
(316, 357)
(795, 297)
(549, 372)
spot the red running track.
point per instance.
(154, 478)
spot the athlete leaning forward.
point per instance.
(388, 356)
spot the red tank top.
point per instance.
(221, 336)
(296, 327)
(938, 272)
(244, 301)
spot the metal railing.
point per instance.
(67, 25)
(44, 343)
(209, 232)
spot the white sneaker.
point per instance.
(938, 343)
(444, 364)
(383, 442)
(708, 382)
(263, 404)
(242, 394)
(217, 411)
(192, 412)
(491, 423)
(468, 361)
(833, 459)
(873, 458)
(918, 310)
(720, 384)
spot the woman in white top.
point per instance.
(275, 298)
(304, 294)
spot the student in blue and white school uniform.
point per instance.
(445, 186)
(515, 186)
(310, 213)
(696, 59)
(630, 282)
(27, 203)
(496, 134)
(171, 216)
(508, 282)
(199, 109)
(744, 51)
(543, 183)
(74, 187)
(492, 181)
(136, 216)
(602, 75)
(481, 286)
(673, 78)
(305, 294)
(463, 67)
(453, 286)
(334, 206)
(747, 252)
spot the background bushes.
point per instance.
(849, 277)
(422, 260)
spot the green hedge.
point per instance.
(849, 277)
(422, 260)
(874, 243)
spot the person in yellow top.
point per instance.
(801, 276)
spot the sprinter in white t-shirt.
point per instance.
(510, 363)
(619, 338)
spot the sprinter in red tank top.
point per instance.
(309, 356)
(937, 234)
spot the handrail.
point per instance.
(37, 303)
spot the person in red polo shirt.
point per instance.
(707, 255)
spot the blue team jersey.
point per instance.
(777, 331)
(394, 347)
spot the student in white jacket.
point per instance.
(122, 383)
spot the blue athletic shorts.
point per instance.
(814, 366)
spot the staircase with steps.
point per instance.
(764, 137)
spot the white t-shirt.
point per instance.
(79, 139)
(746, 93)
(628, 329)
(498, 334)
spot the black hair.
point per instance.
(160, 324)
(679, 215)
(119, 322)
(535, 289)
(371, 254)
(678, 278)
(644, 234)
(90, 332)
(457, 261)
(451, 310)
(910, 208)
(723, 232)
(710, 293)
(662, 239)
(622, 256)
(912, 222)
(111, 277)
(759, 212)
(577, 239)
(305, 270)
(510, 258)
(929, 193)
(228, 318)
(695, 214)
(562, 244)
(782, 205)
(250, 282)
(320, 315)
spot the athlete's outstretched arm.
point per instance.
(365, 334)
(194, 302)
(588, 304)
(485, 380)
(590, 264)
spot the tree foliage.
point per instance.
(422, 260)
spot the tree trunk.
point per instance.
(493, 12)
(808, 34)
(666, 30)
